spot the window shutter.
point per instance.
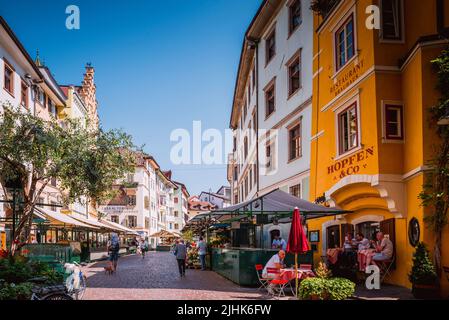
(345, 228)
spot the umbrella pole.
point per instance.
(296, 274)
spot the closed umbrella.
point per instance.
(297, 241)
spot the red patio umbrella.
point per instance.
(297, 241)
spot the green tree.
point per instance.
(435, 194)
(85, 162)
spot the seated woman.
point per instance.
(384, 249)
(349, 253)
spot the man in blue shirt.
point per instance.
(202, 251)
(279, 243)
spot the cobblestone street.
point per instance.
(157, 277)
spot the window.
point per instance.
(235, 173)
(234, 144)
(270, 105)
(51, 107)
(24, 95)
(393, 122)
(176, 214)
(246, 186)
(8, 78)
(254, 121)
(53, 206)
(245, 111)
(294, 16)
(132, 221)
(270, 154)
(294, 74)
(296, 190)
(170, 225)
(176, 226)
(348, 129)
(40, 97)
(40, 202)
(254, 77)
(53, 182)
(294, 135)
(132, 200)
(175, 199)
(245, 147)
(236, 198)
(270, 46)
(255, 173)
(391, 20)
(344, 43)
(114, 219)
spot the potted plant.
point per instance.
(423, 276)
(323, 287)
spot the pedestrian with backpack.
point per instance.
(113, 251)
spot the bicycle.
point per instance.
(56, 292)
(76, 282)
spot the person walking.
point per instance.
(143, 246)
(202, 251)
(113, 250)
(181, 255)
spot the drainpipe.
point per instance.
(254, 43)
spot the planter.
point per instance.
(426, 292)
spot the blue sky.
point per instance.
(159, 65)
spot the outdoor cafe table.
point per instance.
(289, 274)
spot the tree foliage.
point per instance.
(435, 194)
(85, 162)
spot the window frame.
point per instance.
(271, 86)
(290, 128)
(341, 27)
(296, 57)
(401, 38)
(298, 185)
(385, 137)
(353, 104)
(271, 34)
(25, 103)
(7, 65)
(290, 5)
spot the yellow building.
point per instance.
(370, 137)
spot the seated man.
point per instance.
(275, 262)
(384, 248)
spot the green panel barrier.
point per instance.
(238, 265)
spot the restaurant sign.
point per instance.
(118, 210)
(348, 78)
(350, 165)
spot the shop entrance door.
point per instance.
(333, 237)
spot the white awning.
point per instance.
(92, 222)
(63, 218)
(120, 227)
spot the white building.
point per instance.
(180, 201)
(271, 113)
(221, 198)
